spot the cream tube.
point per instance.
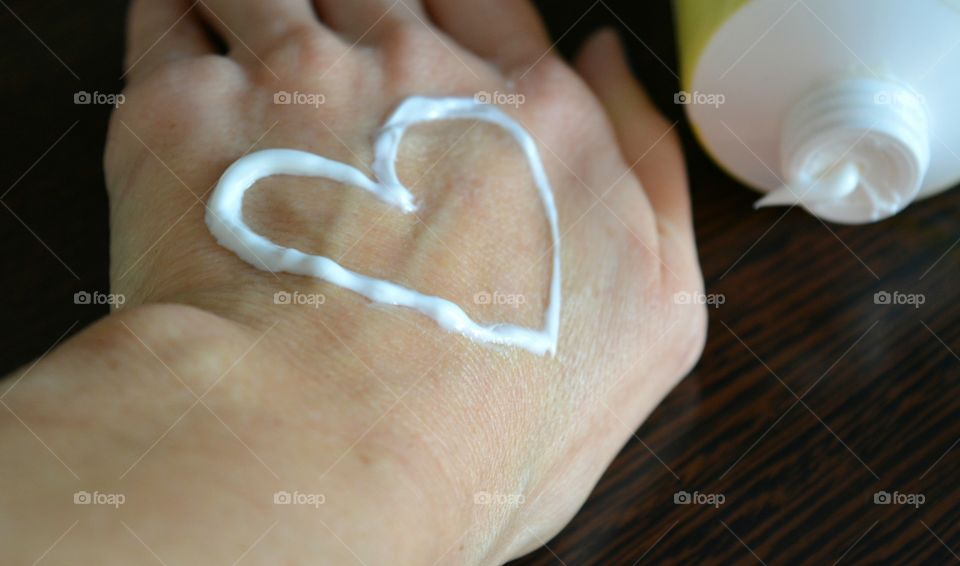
(226, 223)
(845, 108)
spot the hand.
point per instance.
(206, 398)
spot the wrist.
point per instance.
(265, 446)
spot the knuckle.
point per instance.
(405, 38)
(558, 104)
(182, 82)
(169, 105)
(411, 55)
(179, 94)
(550, 82)
(300, 48)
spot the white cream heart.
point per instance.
(225, 219)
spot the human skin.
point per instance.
(202, 398)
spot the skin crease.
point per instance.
(202, 398)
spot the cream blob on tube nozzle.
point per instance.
(847, 108)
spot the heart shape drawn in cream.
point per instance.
(225, 219)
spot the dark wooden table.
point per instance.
(809, 400)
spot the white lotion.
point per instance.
(226, 223)
(845, 108)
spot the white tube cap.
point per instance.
(854, 151)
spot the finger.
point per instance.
(509, 33)
(258, 25)
(159, 31)
(649, 142)
(366, 19)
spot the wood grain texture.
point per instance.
(810, 398)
